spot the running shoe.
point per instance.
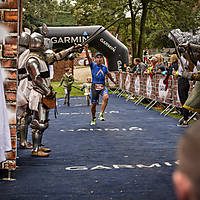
(93, 122)
(101, 118)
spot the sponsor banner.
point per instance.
(110, 83)
(128, 82)
(137, 85)
(149, 87)
(161, 90)
(120, 80)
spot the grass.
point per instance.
(80, 67)
(60, 90)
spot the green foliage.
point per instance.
(183, 14)
(89, 12)
(175, 14)
(63, 19)
(158, 39)
(37, 12)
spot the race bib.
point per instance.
(99, 86)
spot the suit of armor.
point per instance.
(24, 88)
(38, 72)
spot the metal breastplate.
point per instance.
(43, 70)
(22, 73)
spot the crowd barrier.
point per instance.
(149, 87)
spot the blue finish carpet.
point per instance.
(130, 156)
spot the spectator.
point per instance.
(174, 63)
(171, 68)
(132, 68)
(151, 66)
(183, 90)
(67, 81)
(145, 56)
(167, 73)
(140, 66)
(160, 67)
(186, 177)
(128, 69)
(168, 68)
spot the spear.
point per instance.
(98, 32)
(176, 43)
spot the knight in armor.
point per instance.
(41, 93)
(23, 92)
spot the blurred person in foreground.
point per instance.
(98, 71)
(186, 177)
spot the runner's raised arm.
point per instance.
(87, 54)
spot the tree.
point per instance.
(142, 28)
(134, 10)
(172, 12)
(51, 12)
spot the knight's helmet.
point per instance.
(38, 39)
(24, 41)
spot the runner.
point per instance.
(99, 71)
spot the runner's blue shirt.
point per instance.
(98, 73)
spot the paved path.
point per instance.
(130, 156)
(81, 74)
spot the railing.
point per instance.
(149, 87)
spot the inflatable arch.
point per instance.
(115, 51)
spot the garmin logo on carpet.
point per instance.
(103, 167)
(133, 128)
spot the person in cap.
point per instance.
(99, 71)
